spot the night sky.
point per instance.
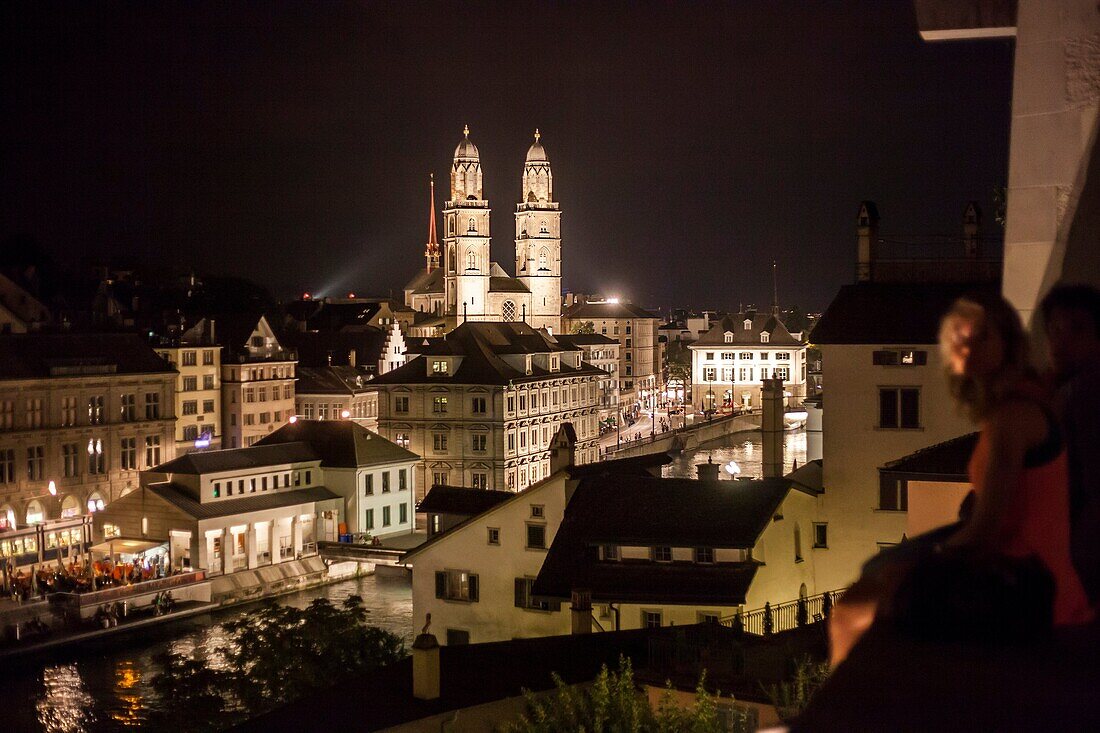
(691, 143)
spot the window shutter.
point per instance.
(440, 584)
(473, 588)
(521, 592)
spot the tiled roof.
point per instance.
(339, 443)
(232, 459)
(889, 313)
(343, 380)
(506, 285)
(273, 499)
(576, 340)
(606, 310)
(461, 500)
(946, 461)
(647, 512)
(778, 335)
(37, 356)
(808, 477)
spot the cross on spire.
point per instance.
(537, 135)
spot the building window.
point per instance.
(538, 511)
(207, 406)
(782, 356)
(899, 357)
(385, 516)
(7, 414)
(70, 460)
(662, 553)
(95, 410)
(494, 535)
(439, 367)
(36, 459)
(821, 534)
(651, 619)
(456, 585)
(479, 406)
(710, 374)
(439, 405)
(208, 381)
(511, 404)
(152, 406)
(217, 489)
(152, 451)
(704, 554)
(783, 373)
(208, 357)
(403, 479)
(479, 442)
(190, 384)
(727, 338)
(191, 432)
(480, 480)
(893, 494)
(523, 598)
(402, 439)
(368, 519)
(68, 411)
(190, 407)
(611, 553)
(899, 407)
(439, 478)
(797, 543)
(508, 311)
(536, 536)
(128, 454)
(402, 513)
(439, 442)
(385, 482)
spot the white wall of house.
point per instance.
(380, 511)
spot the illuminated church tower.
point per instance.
(466, 238)
(538, 240)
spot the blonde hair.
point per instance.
(979, 396)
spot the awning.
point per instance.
(130, 546)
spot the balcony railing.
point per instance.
(785, 616)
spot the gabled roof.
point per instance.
(342, 380)
(889, 313)
(606, 310)
(647, 512)
(946, 461)
(443, 499)
(506, 285)
(233, 330)
(272, 499)
(778, 335)
(318, 348)
(339, 443)
(232, 459)
(426, 282)
(38, 356)
(808, 477)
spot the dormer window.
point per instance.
(439, 366)
(729, 337)
(748, 324)
(764, 337)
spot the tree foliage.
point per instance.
(583, 327)
(791, 697)
(612, 704)
(276, 654)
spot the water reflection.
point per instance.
(65, 705)
(128, 692)
(744, 449)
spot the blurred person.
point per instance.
(1071, 316)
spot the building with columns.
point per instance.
(460, 282)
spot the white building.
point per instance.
(257, 380)
(460, 282)
(374, 476)
(730, 361)
(647, 552)
(482, 404)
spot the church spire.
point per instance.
(431, 249)
(775, 291)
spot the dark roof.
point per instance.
(343, 380)
(232, 330)
(946, 461)
(471, 674)
(481, 346)
(36, 356)
(461, 500)
(231, 459)
(584, 339)
(181, 498)
(889, 313)
(506, 285)
(649, 511)
(426, 282)
(339, 443)
(606, 310)
(778, 335)
(808, 477)
(320, 348)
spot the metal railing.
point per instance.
(785, 616)
(93, 598)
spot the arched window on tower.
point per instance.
(508, 311)
(471, 260)
(544, 260)
(543, 229)
(472, 227)
(451, 258)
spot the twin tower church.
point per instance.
(466, 285)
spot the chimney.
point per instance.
(707, 471)
(563, 448)
(866, 240)
(425, 654)
(351, 357)
(972, 224)
(771, 427)
(813, 430)
(581, 611)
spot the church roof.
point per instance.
(607, 309)
(536, 153)
(466, 150)
(506, 285)
(426, 282)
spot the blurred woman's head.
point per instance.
(984, 350)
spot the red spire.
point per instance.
(431, 249)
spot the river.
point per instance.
(106, 687)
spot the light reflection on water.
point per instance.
(108, 688)
(745, 449)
